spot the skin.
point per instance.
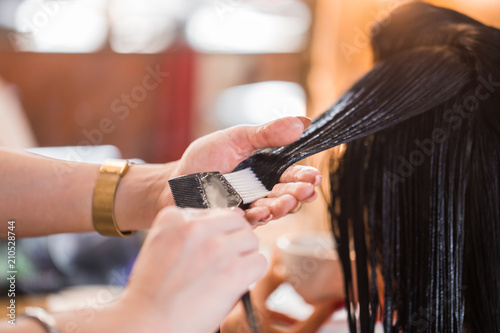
(189, 259)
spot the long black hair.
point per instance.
(416, 192)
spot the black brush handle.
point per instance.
(252, 320)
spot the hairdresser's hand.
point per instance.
(276, 322)
(224, 150)
(192, 269)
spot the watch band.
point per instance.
(103, 201)
(42, 317)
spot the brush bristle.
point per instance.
(246, 183)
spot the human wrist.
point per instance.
(133, 318)
(137, 198)
(166, 199)
(141, 313)
(109, 318)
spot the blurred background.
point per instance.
(150, 76)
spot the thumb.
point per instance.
(276, 133)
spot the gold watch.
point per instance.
(103, 201)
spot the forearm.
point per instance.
(46, 196)
(115, 318)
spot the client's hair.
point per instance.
(416, 192)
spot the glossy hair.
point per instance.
(419, 202)
(416, 193)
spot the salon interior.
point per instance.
(141, 79)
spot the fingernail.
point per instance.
(268, 218)
(312, 197)
(318, 180)
(306, 121)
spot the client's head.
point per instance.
(419, 199)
